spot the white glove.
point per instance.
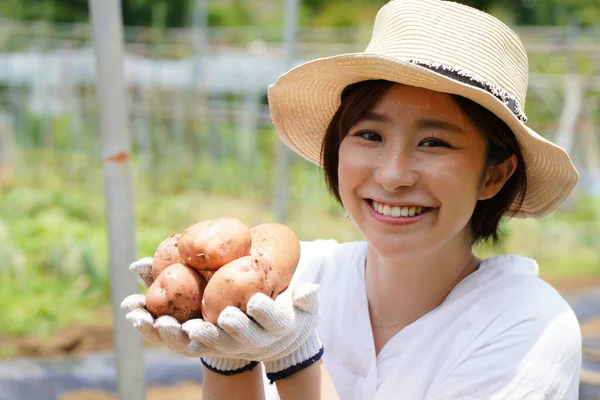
(165, 329)
(281, 333)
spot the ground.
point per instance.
(181, 391)
(83, 339)
(71, 341)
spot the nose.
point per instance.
(395, 171)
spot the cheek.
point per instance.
(346, 172)
(456, 183)
(351, 162)
(353, 168)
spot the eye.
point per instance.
(370, 136)
(432, 142)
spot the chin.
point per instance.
(396, 245)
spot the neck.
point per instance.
(404, 286)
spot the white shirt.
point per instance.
(502, 333)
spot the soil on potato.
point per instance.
(181, 391)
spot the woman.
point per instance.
(423, 141)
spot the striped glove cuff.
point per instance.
(309, 353)
(228, 366)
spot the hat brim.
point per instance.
(303, 101)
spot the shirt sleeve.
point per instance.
(533, 359)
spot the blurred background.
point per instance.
(196, 74)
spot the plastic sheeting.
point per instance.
(48, 379)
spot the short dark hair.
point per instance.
(360, 97)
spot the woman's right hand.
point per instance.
(166, 329)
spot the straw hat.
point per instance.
(437, 45)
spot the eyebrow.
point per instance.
(422, 124)
(439, 124)
(376, 117)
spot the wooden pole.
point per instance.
(116, 147)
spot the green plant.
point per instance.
(53, 238)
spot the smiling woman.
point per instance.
(423, 141)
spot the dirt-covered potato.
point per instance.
(282, 248)
(177, 292)
(166, 254)
(213, 243)
(269, 269)
(233, 285)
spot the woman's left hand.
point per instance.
(281, 333)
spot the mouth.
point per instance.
(403, 211)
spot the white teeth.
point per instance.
(397, 211)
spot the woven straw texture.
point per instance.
(303, 100)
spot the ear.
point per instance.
(496, 177)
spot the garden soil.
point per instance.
(85, 339)
(181, 391)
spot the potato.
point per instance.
(282, 248)
(269, 269)
(233, 285)
(177, 292)
(166, 254)
(210, 244)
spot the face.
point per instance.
(411, 172)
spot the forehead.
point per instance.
(402, 100)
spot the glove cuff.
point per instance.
(228, 366)
(309, 353)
